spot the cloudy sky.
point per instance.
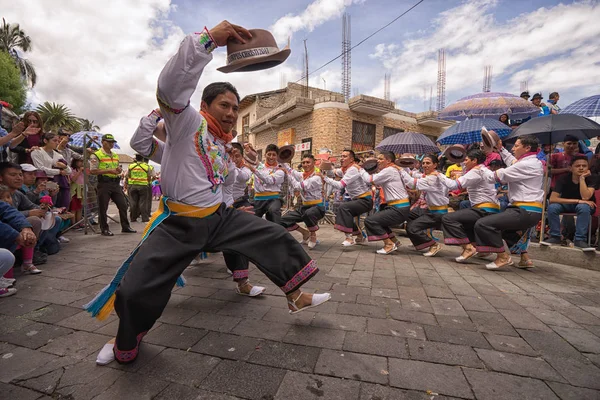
(102, 59)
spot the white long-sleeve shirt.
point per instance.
(194, 163)
(242, 176)
(480, 189)
(525, 178)
(353, 182)
(435, 192)
(390, 181)
(46, 162)
(268, 180)
(311, 188)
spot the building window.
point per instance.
(245, 128)
(387, 131)
(309, 151)
(363, 136)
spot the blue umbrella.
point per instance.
(489, 105)
(408, 142)
(586, 107)
(469, 131)
(93, 140)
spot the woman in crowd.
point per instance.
(436, 197)
(77, 182)
(52, 163)
(24, 144)
(504, 119)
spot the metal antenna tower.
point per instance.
(305, 67)
(346, 56)
(430, 98)
(441, 81)
(487, 78)
(387, 83)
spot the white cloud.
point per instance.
(518, 49)
(103, 62)
(317, 13)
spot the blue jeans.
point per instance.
(583, 211)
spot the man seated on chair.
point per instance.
(573, 193)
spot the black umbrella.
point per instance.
(553, 128)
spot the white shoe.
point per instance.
(433, 250)
(493, 265)
(5, 292)
(461, 259)
(382, 250)
(347, 243)
(312, 245)
(6, 283)
(30, 269)
(63, 239)
(317, 300)
(229, 271)
(255, 291)
(106, 355)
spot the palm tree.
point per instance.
(87, 125)
(12, 40)
(57, 116)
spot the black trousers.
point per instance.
(490, 230)
(271, 207)
(310, 215)
(458, 227)
(420, 220)
(138, 201)
(378, 225)
(111, 191)
(149, 202)
(241, 202)
(237, 263)
(348, 210)
(170, 247)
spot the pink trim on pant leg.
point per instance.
(313, 228)
(302, 276)
(240, 274)
(456, 241)
(127, 356)
(376, 238)
(343, 228)
(488, 249)
(292, 228)
(425, 245)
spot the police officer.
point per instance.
(137, 183)
(105, 164)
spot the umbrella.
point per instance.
(489, 105)
(553, 128)
(586, 107)
(408, 142)
(469, 131)
(93, 139)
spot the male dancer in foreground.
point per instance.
(192, 216)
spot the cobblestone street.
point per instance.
(397, 327)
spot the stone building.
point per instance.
(314, 119)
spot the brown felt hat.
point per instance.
(456, 153)
(489, 139)
(259, 52)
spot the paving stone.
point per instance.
(447, 307)
(244, 310)
(395, 328)
(179, 392)
(186, 368)
(443, 353)
(492, 323)
(176, 316)
(568, 392)
(52, 313)
(510, 344)
(242, 379)
(595, 358)
(455, 322)
(198, 291)
(78, 344)
(417, 304)
(580, 316)
(213, 322)
(9, 324)
(387, 346)
(224, 345)
(285, 356)
(355, 366)
(361, 310)
(370, 391)
(280, 314)
(83, 321)
(502, 302)
(456, 336)
(401, 314)
(516, 364)
(299, 386)
(19, 361)
(134, 387)
(418, 375)
(317, 337)
(13, 392)
(343, 322)
(496, 386)
(581, 339)
(17, 306)
(47, 377)
(179, 337)
(554, 318)
(475, 304)
(35, 335)
(441, 292)
(261, 329)
(524, 320)
(54, 296)
(201, 304)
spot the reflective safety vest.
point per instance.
(138, 174)
(107, 161)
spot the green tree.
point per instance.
(12, 40)
(87, 125)
(57, 116)
(12, 89)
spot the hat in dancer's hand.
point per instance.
(259, 52)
